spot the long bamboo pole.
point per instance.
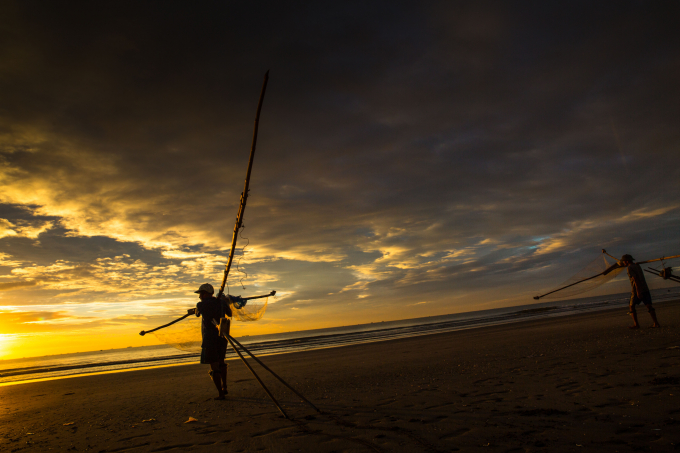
(274, 374)
(241, 208)
(273, 293)
(608, 270)
(610, 255)
(257, 377)
(658, 274)
(645, 262)
(605, 272)
(143, 332)
(244, 194)
(659, 259)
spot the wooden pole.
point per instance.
(659, 259)
(658, 274)
(275, 375)
(257, 377)
(244, 194)
(648, 261)
(273, 293)
(605, 252)
(241, 209)
(605, 272)
(142, 333)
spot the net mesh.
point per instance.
(602, 264)
(186, 334)
(252, 311)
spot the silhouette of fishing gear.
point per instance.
(187, 336)
(180, 337)
(665, 273)
(600, 271)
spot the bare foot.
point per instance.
(219, 398)
(655, 325)
(634, 327)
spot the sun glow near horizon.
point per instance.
(374, 196)
(7, 344)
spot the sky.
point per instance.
(414, 158)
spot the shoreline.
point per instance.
(342, 340)
(549, 384)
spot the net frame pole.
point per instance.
(273, 293)
(672, 278)
(241, 208)
(605, 272)
(257, 377)
(608, 270)
(244, 194)
(276, 375)
(658, 259)
(610, 255)
(565, 287)
(645, 262)
(144, 332)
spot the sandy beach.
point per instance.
(576, 383)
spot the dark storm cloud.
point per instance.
(405, 150)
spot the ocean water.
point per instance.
(66, 365)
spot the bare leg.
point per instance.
(652, 313)
(635, 320)
(217, 379)
(223, 375)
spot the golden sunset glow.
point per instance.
(435, 162)
(6, 344)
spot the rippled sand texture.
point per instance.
(578, 383)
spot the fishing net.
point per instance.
(186, 334)
(248, 310)
(597, 273)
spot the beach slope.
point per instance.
(576, 383)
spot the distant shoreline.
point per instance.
(130, 359)
(553, 383)
(532, 307)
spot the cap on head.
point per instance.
(627, 257)
(206, 288)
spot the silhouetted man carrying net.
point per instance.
(639, 290)
(214, 345)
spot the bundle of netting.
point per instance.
(602, 270)
(186, 334)
(247, 309)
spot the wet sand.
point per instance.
(576, 383)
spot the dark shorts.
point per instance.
(213, 350)
(645, 299)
